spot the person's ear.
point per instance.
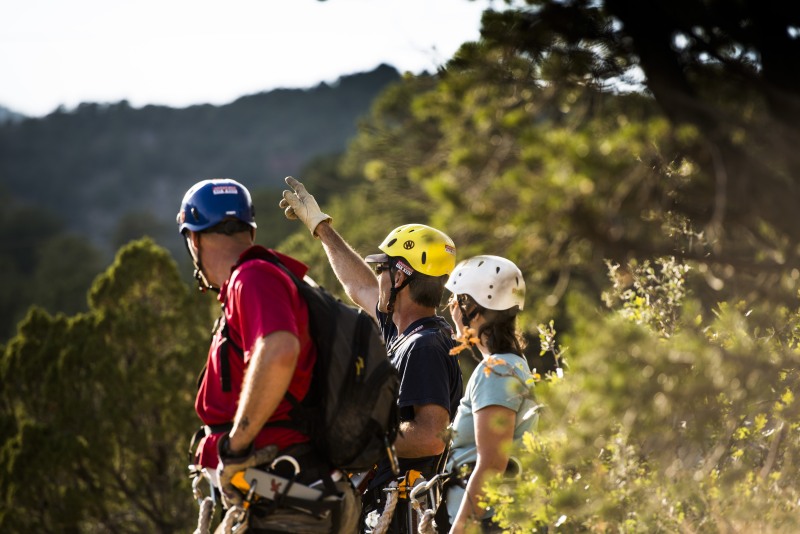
(399, 278)
(195, 238)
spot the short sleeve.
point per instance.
(265, 299)
(494, 388)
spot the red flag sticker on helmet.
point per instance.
(405, 268)
(450, 249)
(225, 190)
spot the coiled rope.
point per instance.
(426, 523)
(204, 520)
(236, 514)
(388, 510)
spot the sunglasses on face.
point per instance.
(463, 300)
(380, 268)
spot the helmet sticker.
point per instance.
(405, 268)
(450, 249)
(225, 190)
(408, 245)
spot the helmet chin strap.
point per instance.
(393, 296)
(202, 282)
(466, 317)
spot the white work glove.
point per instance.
(229, 465)
(300, 204)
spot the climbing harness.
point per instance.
(269, 492)
(379, 522)
(405, 489)
(235, 519)
(426, 507)
(207, 503)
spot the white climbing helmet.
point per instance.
(493, 282)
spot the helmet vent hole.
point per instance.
(195, 214)
(424, 258)
(491, 286)
(481, 263)
(490, 297)
(392, 242)
(497, 270)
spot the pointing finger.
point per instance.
(295, 185)
(291, 182)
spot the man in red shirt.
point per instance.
(260, 354)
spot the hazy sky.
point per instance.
(183, 52)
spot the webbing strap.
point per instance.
(206, 430)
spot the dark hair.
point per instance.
(499, 327)
(229, 226)
(427, 290)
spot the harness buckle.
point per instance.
(200, 475)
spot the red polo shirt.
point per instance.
(259, 299)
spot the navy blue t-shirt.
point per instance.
(429, 374)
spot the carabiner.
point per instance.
(198, 494)
(286, 458)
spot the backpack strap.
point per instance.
(224, 361)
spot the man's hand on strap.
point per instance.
(230, 464)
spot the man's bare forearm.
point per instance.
(267, 378)
(353, 273)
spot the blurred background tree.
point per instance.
(96, 407)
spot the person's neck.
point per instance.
(477, 322)
(224, 254)
(408, 312)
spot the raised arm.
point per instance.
(353, 273)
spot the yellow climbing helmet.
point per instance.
(427, 250)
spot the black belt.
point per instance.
(217, 429)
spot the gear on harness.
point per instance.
(398, 492)
(280, 496)
(207, 503)
(426, 508)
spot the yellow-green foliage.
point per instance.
(695, 431)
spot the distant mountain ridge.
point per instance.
(8, 115)
(96, 164)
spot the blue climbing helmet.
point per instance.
(209, 202)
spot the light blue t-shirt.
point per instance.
(504, 383)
